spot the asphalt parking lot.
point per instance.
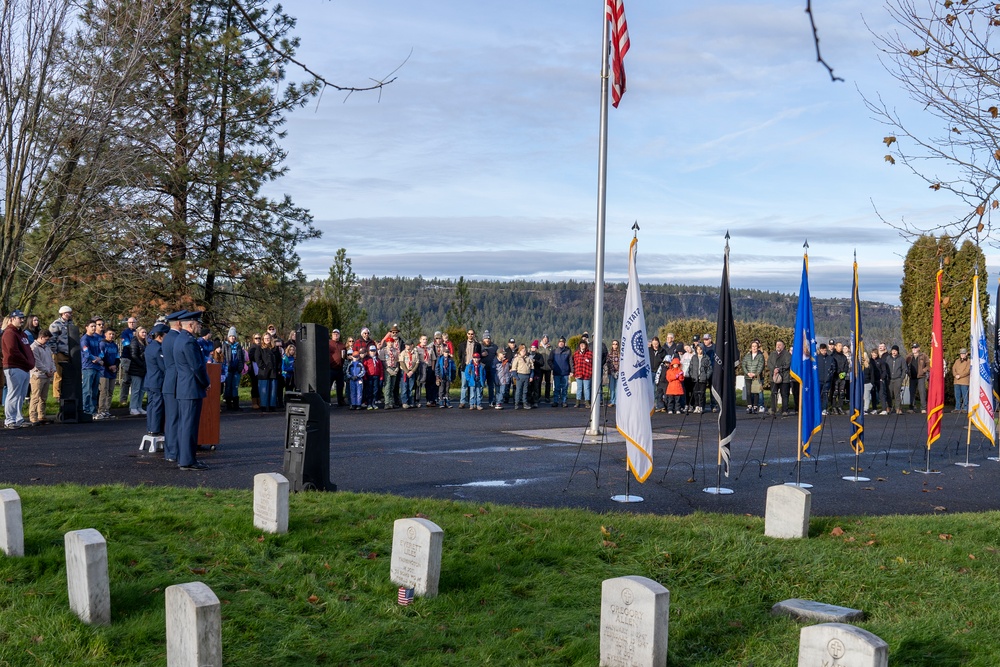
(541, 458)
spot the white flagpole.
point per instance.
(597, 340)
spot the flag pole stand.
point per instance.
(798, 462)
(857, 465)
(718, 489)
(968, 440)
(628, 497)
(928, 470)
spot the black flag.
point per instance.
(727, 354)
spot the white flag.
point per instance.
(980, 379)
(635, 384)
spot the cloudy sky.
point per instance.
(481, 158)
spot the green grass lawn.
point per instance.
(518, 586)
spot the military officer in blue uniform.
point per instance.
(169, 386)
(191, 387)
(153, 382)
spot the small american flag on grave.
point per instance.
(405, 596)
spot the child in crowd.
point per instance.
(288, 367)
(675, 386)
(356, 380)
(109, 354)
(373, 378)
(445, 371)
(475, 380)
(502, 369)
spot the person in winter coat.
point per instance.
(873, 377)
(675, 385)
(444, 371)
(356, 380)
(753, 372)
(136, 370)
(657, 356)
(41, 377)
(779, 368)
(109, 352)
(521, 369)
(960, 371)
(501, 377)
(235, 360)
(374, 374)
(700, 371)
(612, 365)
(409, 364)
(561, 363)
(263, 357)
(153, 381)
(537, 361)
(288, 367)
(475, 380)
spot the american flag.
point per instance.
(405, 596)
(614, 11)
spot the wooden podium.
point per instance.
(211, 408)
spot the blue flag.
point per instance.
(804, 367)
(857, 371)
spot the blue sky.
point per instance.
(481, 159)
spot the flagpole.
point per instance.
(724, 394)
(935, 342)
(857, 355)
(798, 404)
(602, 181)
(972, 342)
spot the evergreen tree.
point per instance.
(917, 292)
(341, 288)
(462, 309)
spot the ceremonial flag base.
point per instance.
(928, 472)
(627, 498)
(718, 491)
(855, 478)
(966, 464)
(801, 485)
(993, 458)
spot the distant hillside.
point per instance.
(525, 310)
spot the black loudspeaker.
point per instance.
(71, 390)
(307, 442)
(312, 360)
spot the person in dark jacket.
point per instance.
(192, 387)
(266, 360)
(841, 374)
(779, 367)
(235, 359)
(561, 363)
(824, 372)
(170, 387)
(464, 353)
(18, 360)
(153, 380)
(136, 370)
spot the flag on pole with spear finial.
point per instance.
(727, 355)
(980, 379)
(857, 369)
(805, 369)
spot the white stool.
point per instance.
(151, 443)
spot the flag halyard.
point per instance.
(635, 387)
(614, 11)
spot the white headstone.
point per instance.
(11, 527)
(635, 615)
(270, 502)
(194, 626)
(416, 555)
(841, 645)
(87, 576)
(787, 512)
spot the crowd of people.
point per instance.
(388, 372)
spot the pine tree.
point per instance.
(341, 288)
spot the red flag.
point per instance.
(614, 11)
(935, 383)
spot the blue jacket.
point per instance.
(169, 372)
(109, 352)
(126, 337)
(90, 351)
(561, 361)
(356, 370)
(207, 347)
(154, 367)
(189, 365)
(445, 368)
(474, 379)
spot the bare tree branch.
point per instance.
(379, 83)
(819, 57)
